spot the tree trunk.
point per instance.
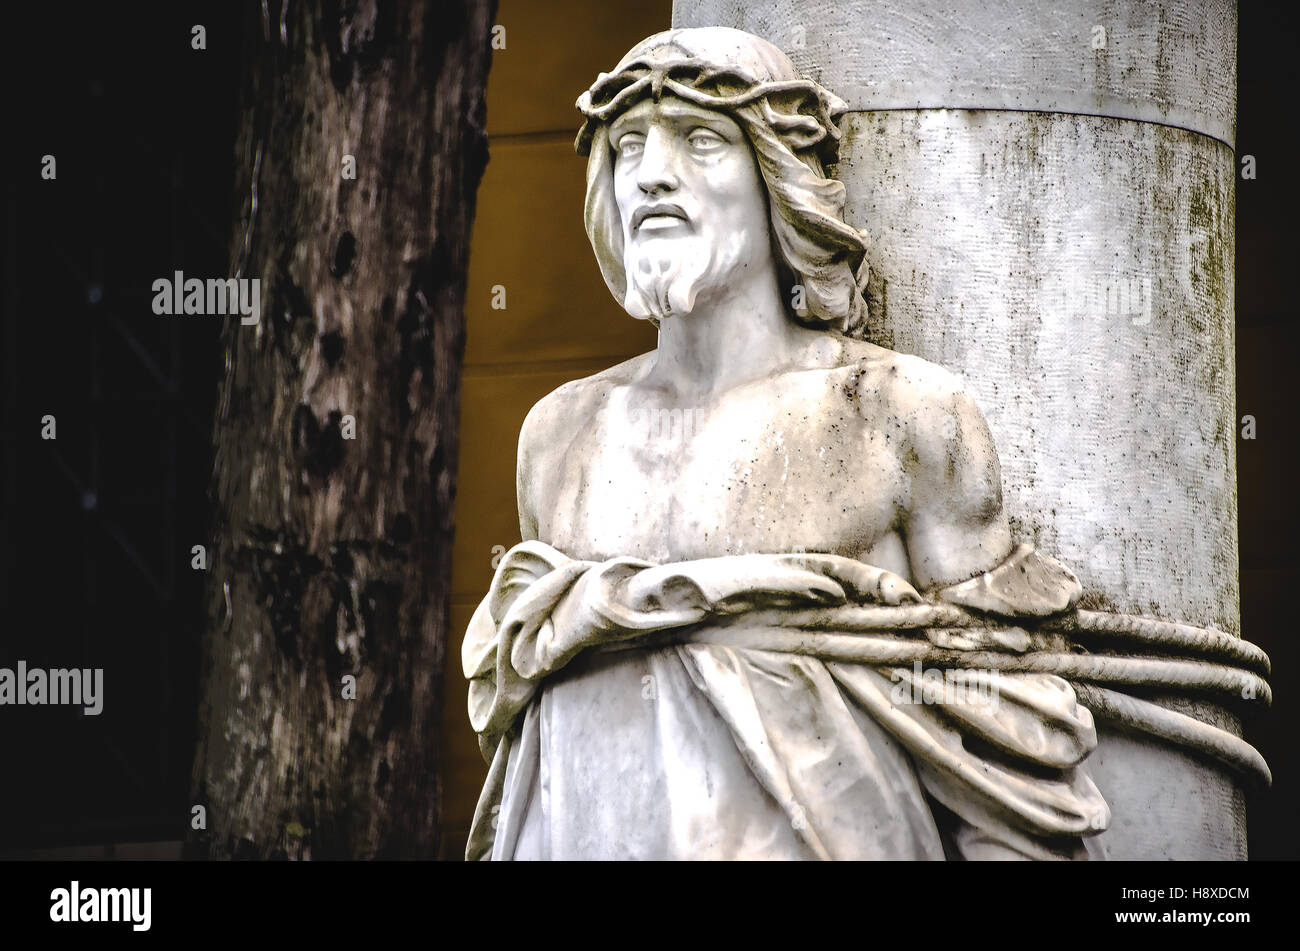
(336, 430)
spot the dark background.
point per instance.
(98, 525)
(96, 528)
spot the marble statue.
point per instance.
(767, 603)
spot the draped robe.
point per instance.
(638, 711)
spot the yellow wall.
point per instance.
(560, 321)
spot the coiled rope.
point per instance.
(1168, 656)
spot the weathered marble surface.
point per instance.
(1055, 222)
(1172, 62)
(1088, 309)
(728, 540)
(692, 710)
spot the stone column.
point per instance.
(1049, 189)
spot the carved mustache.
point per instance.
(659, 208)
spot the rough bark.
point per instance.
(331, 556)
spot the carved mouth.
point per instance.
(661, 212)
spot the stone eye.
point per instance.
(705, 140)
(631, 144)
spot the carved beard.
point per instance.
(665, 275)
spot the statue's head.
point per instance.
(706, 156)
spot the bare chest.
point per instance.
(770, 468)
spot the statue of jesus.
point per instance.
(668, 666)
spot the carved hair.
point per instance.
(790, 124)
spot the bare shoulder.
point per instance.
(551, 427)
(941, 425)
(903, 380)
(560, 415)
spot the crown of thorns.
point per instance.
(801, 111)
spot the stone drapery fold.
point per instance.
(1003, 753)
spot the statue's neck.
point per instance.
(735, 334)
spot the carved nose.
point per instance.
(655, 172)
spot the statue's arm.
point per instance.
(955, 527)
(544, 437)
(528, 470)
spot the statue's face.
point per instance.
(692, 203)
